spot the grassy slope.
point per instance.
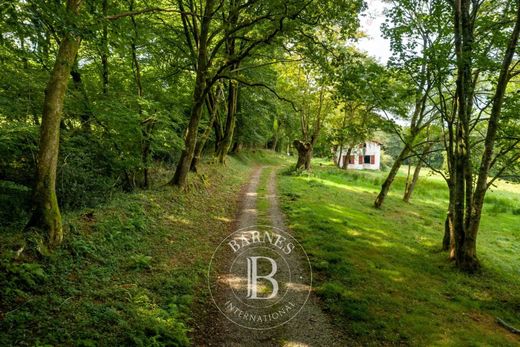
(129, 271)
(380, 272)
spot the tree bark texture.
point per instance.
(45, 210)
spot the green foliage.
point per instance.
(141, 261)
(15, 202)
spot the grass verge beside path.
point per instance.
(129, 271)
(380, 272)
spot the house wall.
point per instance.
(371, 149)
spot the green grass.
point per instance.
(263, 157)
(262, 202)
(381, 272)
(130, 272)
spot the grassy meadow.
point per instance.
(381, 274)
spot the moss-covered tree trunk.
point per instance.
(46, 215)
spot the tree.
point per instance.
(421, 158)
(45, 211)
(310, 133)
(468, 196)
(414, 43)
(199, 95)
(246, 28)
(65, 25)
(311, 102)
(257, 29)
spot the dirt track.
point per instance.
(310, 327)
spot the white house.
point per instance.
(364, 156)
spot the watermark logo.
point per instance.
(260, 277)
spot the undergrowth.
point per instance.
(129, 271)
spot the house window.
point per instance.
(367, 159)
(352, 160)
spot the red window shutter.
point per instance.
(372, 159)
(361, 159)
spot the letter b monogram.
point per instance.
(252, 278)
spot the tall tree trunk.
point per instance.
(86, 113)
(385, 188)
(421, 96)
(199, 148)
(147, 125)
(448, 241)
(45, 210)
(410, 186)
(190, 140)
(340, 154)
(229, 129)
(467, 251)
(275, 142)
(104, 48)
(212, 106)
(465, 258)
(233, 87)
(349, 153)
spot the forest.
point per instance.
(136, 135)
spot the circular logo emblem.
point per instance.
(259, 277)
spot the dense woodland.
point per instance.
(94, 93)
(98, 96)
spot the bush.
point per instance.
(15, 200)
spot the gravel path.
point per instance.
(310, 327)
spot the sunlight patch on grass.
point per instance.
(382, 272)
